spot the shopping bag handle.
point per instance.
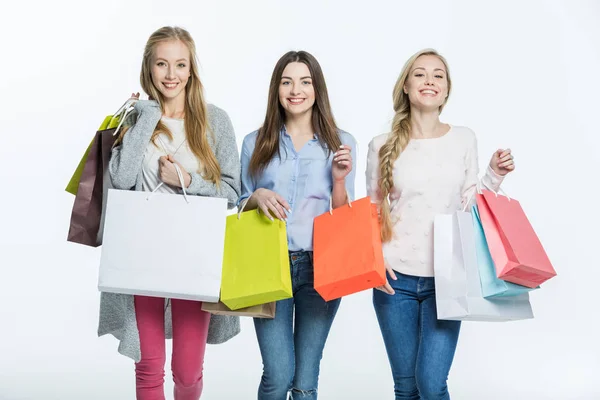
(125, 113)
(129, 103)
(331, 202)
(478, 191)
(180, 176)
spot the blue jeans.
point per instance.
(292, 343)
(420, 347)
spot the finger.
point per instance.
(265, 211)
(506, 164)
(343, 157)
(388, 289)
(344, 163)
(283, 203)
(506, 157)
(274, 211)
(391, 272)
(340, 152)
(505, 153)
(278, 207)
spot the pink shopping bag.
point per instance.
(518, 254)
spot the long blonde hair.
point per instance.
(196, 119)
(399, 138)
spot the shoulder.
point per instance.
(347, 138)
(217, 117)
(250, 141)
(463, 133)
(378, 141)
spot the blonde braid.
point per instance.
(388, 154)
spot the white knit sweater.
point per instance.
(431, 176)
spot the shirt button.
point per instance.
(409, 205)
(422, 261)
(407, 233)
(414, 246)
(426, 233)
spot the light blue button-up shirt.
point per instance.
(302, 177)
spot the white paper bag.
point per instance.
(457, 282)
(159, 244)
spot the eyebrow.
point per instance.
(181, 59)
(303, 77)
(437, 69)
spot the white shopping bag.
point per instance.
(457, 283)
(163, 245)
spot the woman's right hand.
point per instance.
(271, 204)
(387, 288)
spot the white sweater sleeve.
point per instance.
(490, 179)
(372, 173)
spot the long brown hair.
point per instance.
(399, 138)
(267, 141)
(196, 119)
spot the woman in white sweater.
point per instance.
(423, 167)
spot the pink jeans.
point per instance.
(190, 330)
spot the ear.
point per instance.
(405, 90)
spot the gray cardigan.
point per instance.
(117, 311)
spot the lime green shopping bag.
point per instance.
(256, 267)
(109, 122)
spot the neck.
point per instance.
(175, 108)
(299, 125)
(424, 124)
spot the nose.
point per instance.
(295, 89)
(429, 80)
(170, 73)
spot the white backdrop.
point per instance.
(525, 76)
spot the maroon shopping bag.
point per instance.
(86, 216)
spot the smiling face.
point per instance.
(427, 83)
(171, 69)
(296, 91)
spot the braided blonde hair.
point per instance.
(398, 139)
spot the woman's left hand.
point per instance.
(168, 174)
(342, 163)
(502, 162)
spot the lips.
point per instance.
(428, 92)
(170, 86)
(294, 101)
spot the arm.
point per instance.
(490, 179)
(248, 184)
(228, 158)
(372, 173)
(344, 188)
(126, 159)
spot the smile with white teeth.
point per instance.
(295, 101)
(429, 91)
(170, 85)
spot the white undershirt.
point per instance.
(178, 148)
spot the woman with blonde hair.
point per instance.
(175, 130)
(423, 167)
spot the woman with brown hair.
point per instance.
(175, 132)
(291, 168)
(423, 167)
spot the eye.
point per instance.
(440, 76)
(181, 65)
(161, 64)
(285, 82)
(419, 74)
(307, 82)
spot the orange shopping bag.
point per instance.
(515, 248)
(347, 251)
